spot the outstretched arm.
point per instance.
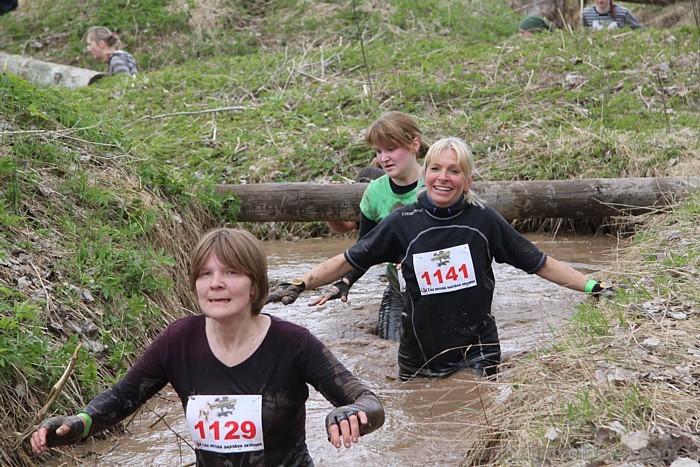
(563, 274)
(324, 273)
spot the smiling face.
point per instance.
(223, 292)
(445, 178)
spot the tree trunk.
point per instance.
(47, 73)
(571, 199)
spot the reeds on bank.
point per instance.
(622, 386)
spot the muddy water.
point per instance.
(427, 421)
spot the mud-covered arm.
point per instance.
(143, 381)
(366, 226)
(341, 388)
(118, 402)
(341, 288)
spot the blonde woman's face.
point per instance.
(445, 179)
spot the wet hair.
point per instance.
(464, 159)
(239, 250)
(101, 33)
(396, 129)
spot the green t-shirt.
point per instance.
(378, 201)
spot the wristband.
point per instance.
(590, 286)
(298, 283)
(87, 422)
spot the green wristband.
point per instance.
(590, 285)
(87, 423)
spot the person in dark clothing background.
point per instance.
(7, 6)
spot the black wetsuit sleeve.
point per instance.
(366, 226)
(511, 247)
(339, 386)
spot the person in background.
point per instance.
(241, 375)
(606, 15)
(398, 142)
(7, 6)
(104, 45)
(445, 242)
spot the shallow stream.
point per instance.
(427, 420)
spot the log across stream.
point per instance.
(537, 199)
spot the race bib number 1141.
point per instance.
(444, 270)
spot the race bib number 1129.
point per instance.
(226, 423)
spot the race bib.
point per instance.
(444, 270)
(226, 423)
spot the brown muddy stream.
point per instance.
(427, 421)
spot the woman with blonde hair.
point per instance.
(104, 45)
(445, 243)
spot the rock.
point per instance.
(551, 433)
(618, 428)
(651, 343)
(24, 283)
(685, 462)
(635, 440)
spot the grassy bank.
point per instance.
(622, 385)
(104, 189)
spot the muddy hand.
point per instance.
(344, 423)
(603, 291)
(58, 431)
(286, 292)
(338, 290)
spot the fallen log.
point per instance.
(541, 199)
(46, 73)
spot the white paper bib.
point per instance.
(226, 423)
(444, 270)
